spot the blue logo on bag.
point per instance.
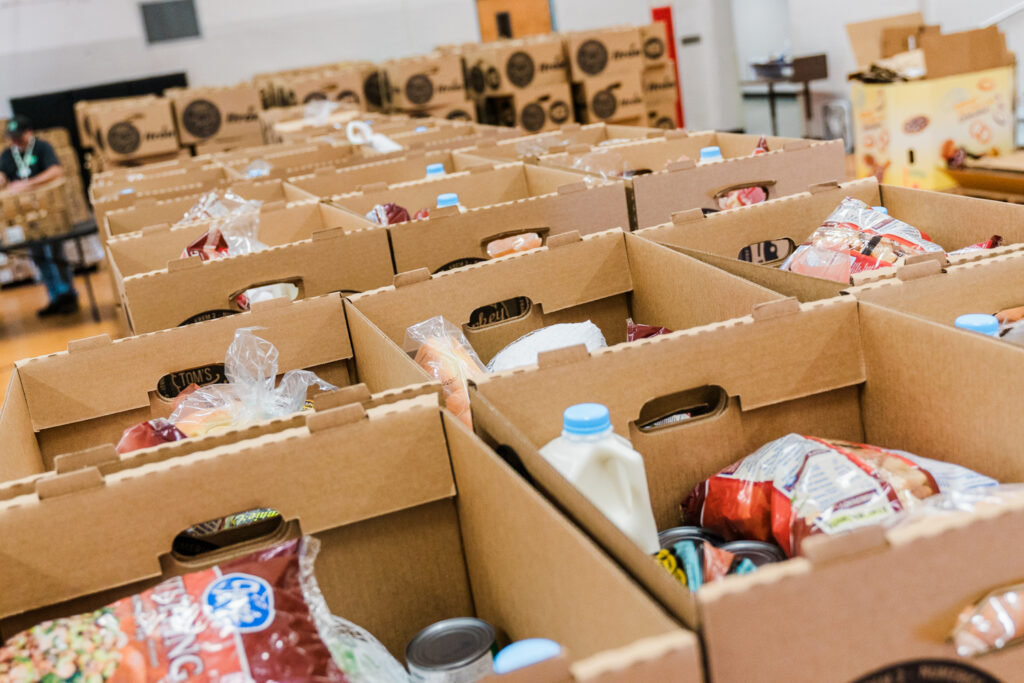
(243, 601)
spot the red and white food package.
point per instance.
(797, 486)
(635, 331)
(991, 243)
(856, 238)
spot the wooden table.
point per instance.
(801, 70)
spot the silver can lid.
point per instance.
(669, 537)
(758, 552)
(450, 644)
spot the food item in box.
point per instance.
(148, 434)
(755, 194)
(1011, 315)
(258, 618)
(388, 214)
(444, 352)
(856, 238)
(514, 244)
(991, 243)
(797, 486)
(695, 561)
(993, 623)
(635, 331)
(524, 351)
(459, 650)
(762, 146)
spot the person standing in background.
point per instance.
(26, 164)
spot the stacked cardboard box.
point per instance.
(606, 68)
(427, 85)
(34, 214)
(661, 91)
(217, 118)
(521, 82)
(78, 207)
(130, 131)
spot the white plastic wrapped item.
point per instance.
(259, 168)
(217, 205)
(605, 163)
(856, 238)
(524, 350)
(360, 133)
(318, 112)
(444, 352)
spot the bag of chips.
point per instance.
(445, 353)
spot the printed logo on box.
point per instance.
(243, 601)
(520, 69)
(559, 112)
(654, 48)
(533, 117)
(604, 104)
(124, 138)
(201, 118)
(173, 383)
(929, 671)
(419, 89)
(592, 56)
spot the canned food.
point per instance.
(758, 552)
(457, 650)
(669, 537)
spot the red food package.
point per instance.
(743, 197)
(717, 562)
(250, 619)
(762, 145)
(147, 434)
(211, 245)
(422, 213)
(991, 243)
(636, 331)
(797, 486)
(388, 214)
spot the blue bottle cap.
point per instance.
(435, 169)
(881, 209)
(524, 653)
(447, 199)
(712, 153)
(128, 190)
(979, 322)
(420, 129)
(586, 418)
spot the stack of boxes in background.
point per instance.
(606, 68)
(659, 78)
(427, 85)
(216, 119)
(354, 83)
(521, 82)
(128, 132)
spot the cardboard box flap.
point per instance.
(897, 39)
(552, 278)
(401, 437)
(86, 383)
(866, 36)
(956, 53)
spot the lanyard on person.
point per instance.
(24, 163)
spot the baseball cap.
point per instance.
(17, 125)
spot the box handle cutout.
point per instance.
(768, 251)
(292, 292)
(503, 250)
(216, 538)
(743, 194)
(500, 312)
(688, 406)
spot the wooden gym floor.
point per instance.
(24, 335)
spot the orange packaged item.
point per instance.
(514, 244)
(445, 353)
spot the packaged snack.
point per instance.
(991, 243)
(1011, 315)
(762, 146)
(993, 623)
(524, 351)
(797, 486)
(147, 434)
(695, 562)
(444, 352)
(856, 238)
(259, 618)
(388, 214)
(422, 213)
(514, 244)
(636, 331)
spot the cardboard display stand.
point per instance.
(500, 201)
(473, 538)
(826, 369)
(767, 233)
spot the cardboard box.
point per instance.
(207, 114)
(533, 110)
(134, 129)
(505, 67)
(676, 183)
(500, 200)
(616, 96)
(317, 248)
(940, 295)
(432, 492)
(327, 182)
(462, 111)
(529, 147)
(148, 212)
(655, 40)
(85, 397)
(822, 369)
(345, 86)
(662, 115)
(608, 51)
(660, 84)
(605, 278)
(34, 214)
(293, 160)
(425, 81)
(767, 233)
(904, 132)
(136, 186)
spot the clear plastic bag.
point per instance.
(234, 613)
(318, 112)
(856, 238)
(260, 168)
(360, 133)
(250, 395)
(235, 229)
(605, 163)
(797, 486)
(444, 352)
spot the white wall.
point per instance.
(761, 29)
(49, 45)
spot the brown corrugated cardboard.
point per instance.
(500, 200)
(612, 96)
(655, 39)
(424, 81)
(296, 160)
(532, 109)
(598, 53)
(134, 186)
(459, 111)
(508, 66)
(768, 232)
(132, 129)
(317, 248)
(149, 211)
(206, 114)
(527, 147)
(432, 492)
(338, 85)
(605, 278)
(660, 84)
(333, 181)
(825, 369)
(662, 114)
(865, 37)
